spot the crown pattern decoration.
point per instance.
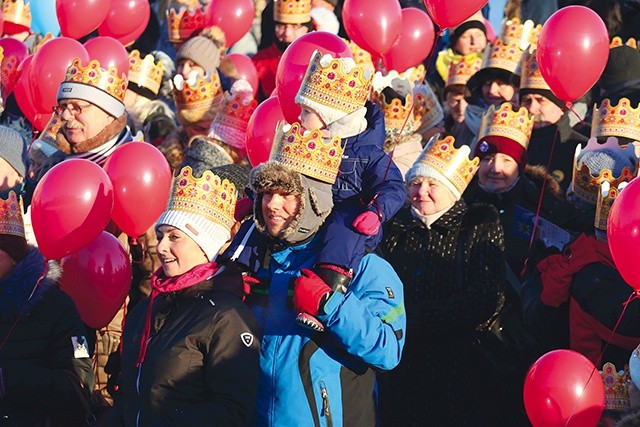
(185, 18)
(504, 122)
(586, 184)
(361, 57)
(50, 131)
(11, 221)
(8, 76)
(145, 72)
(415, 74)
(616, 387)
(199, 100)
(230, 125)
(620, 120)
(106, 80)
(330, 84)
(531, 77)
(307, 153)
(427, 111)
(292, 11)
(209, 196)
(525, 34)
(505, 56)
(452, 163)
(617, 42)
(16, 15)
(605, 197)
(461, 70)
(399, 118)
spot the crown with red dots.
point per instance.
(230, 125)
(292, 11)
(524, 33)
(616, 387)
(199, 99)
(621, 120)
(11, 221)
(504, 122)
(461, 70)
(531, 77)
(185, 17)
(145, 72)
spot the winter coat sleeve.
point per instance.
(369, 321)
(383, 184)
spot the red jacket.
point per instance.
(266, 62)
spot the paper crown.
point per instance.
(8, 76)
(292, 11)
(399, 118)
(616, 387)
(525, 34)
(185, 18)
(461, 70)
(329, 85)
(504, 122)
(209, 197)
(505, 56)
(607, 194)
(454, 164)
(617, 42)
(92, 75)
(586, 182)
(230, 125)
(145, 72)
(620, 120)
(415, 74)
(48, 135)
(16, 15)
(307, 153)
(47, 38)
(11, 221)
(531, 77)
(198, 99)
(361, 57)
(427, 111)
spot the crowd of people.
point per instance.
(410, 247)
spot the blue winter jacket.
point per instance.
(322, 379)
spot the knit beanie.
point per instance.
(203, 49)
(623, 65)
(473, 22)
(204, 154)
(13, 148)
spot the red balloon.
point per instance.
(109, 52)
(623, 233)
(71, 206)
(572, 35)
(373, 28)
(294, 63)
(563, 388)
(49, 68)
(97, 278)
(246, 69)
(261, 130)
(14, 52)
(126, 20)
(233, 17)
(77, 18)
(414, 42)
(447, 14)
(22, 93)
(1, 24)
(141, 178)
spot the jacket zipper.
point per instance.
(326, 409)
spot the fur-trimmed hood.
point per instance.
(538, 173)
(16, 288)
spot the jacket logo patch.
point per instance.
(390, 293)
(247, 338)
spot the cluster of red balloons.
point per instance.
(233, 17)
(74, 202)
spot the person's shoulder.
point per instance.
(480, 214)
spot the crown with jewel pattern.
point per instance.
(531, 77)
(607, 194)
(200, 100)
(93, 75)
(292, 11)
(504, 122)
(427, 111)
(442, 159)
(361, 56)
(8, 76)
(398, 115)
(461, 70)
(230, 125)
(16, 15)
(505, 56)
(525, 34)
(11, 221)
(185, 18)
(620, 120)
(616, 387)
(307, 153)
(415, 74)
(586, 182)
(145, 72)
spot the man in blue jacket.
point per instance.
(308, 378)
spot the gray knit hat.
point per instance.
(201, 50)
(13, 148)
(204, 154)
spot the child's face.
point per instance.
(310, 120)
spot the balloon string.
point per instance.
(633, 296)
(432, 51)
(570, 107)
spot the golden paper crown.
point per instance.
(586, 182)
(461, 70)
(607, 194)
(617, 42)
(333, 86)
(415, 74)
(427, 111)
(292, 11)
(11, 221)
(185, 19)
(230, 125)
(616, 387)
(208, 196)
(106, 80)
(200, 101)
(504, 122)
(307, 153)
(505, 56)
(17, 12)
(620, 120)
(531, 77)
(361, 57)
(525, 34)
(398, 115)
(452, 163)
(50, 131)
(145, 72)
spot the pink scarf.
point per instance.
(161, 284)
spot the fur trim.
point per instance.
(537, 174)
(109, 131)
(273, 175)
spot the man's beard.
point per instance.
(282, 45)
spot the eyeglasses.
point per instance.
(74, 108)
(284, 27)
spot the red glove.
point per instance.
(244, 207)
(248, 282)
(367, 223)
(308, 290)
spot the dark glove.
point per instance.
(308, 291)
(367, 223)
(244, 207)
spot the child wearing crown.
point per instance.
(369, 189)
